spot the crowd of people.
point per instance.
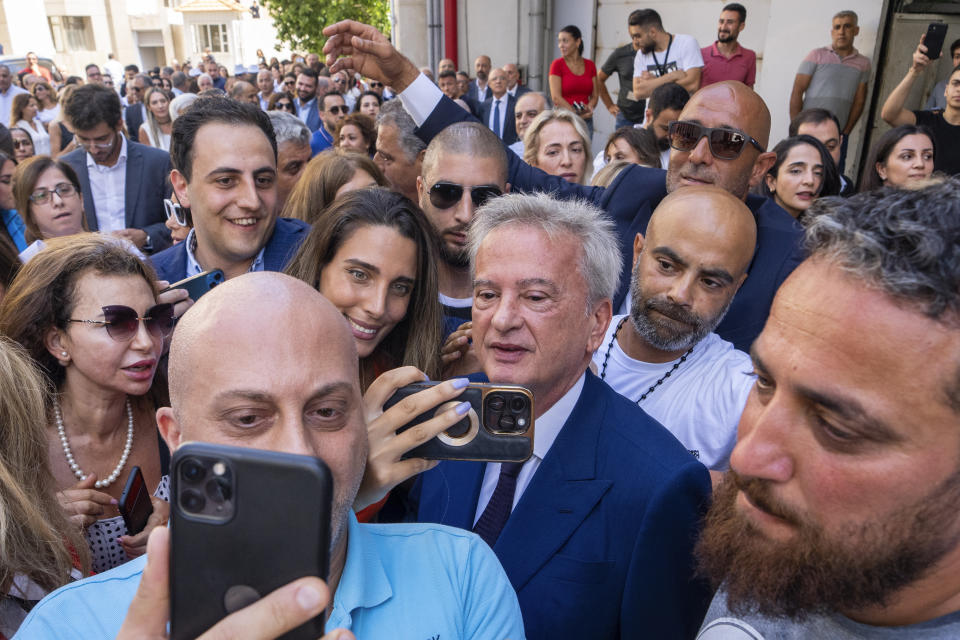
(741, 359)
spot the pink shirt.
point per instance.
(741, 66)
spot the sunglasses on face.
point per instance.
(285, 105)
(725, 144)
(376, 85)
(444, 195)
(42, 196)
(289, 82)
(122, 322)
(339, 108)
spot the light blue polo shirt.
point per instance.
(400, 581)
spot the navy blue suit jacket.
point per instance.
(133, 117)
(630, 201)
(600, 543)
(509, 121)
(171, 264)
(145, 186)
(473, 92)
(313, 115)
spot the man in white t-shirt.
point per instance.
(663, 57)
(664, 354)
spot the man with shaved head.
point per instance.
(664, 354)
(424, 580)
(243, 91)
(721, 139)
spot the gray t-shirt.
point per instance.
(721, 624)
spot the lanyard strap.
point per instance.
(662, 68)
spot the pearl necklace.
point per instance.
(77, 471)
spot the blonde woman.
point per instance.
(557, 142)
(46, 97)
(40, 550)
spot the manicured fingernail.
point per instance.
(113, 501)
(308, 598)
(459, 383)
(462, 408)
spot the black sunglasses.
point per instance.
(122, 322)
(444, 195)
(725, 143)
(285, 105)
(339, 108)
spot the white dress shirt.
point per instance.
(502, 101)
(108, 186)
(545, 431)
(6, 103)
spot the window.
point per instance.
(71, 33)
(213, 36)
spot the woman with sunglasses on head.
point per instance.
(23, 114)
(371, 253)
(369, 104)
(156, 129)
(357, 133)
(901, 157)
(802, 172)
(47, 195)
(46, 97)
(22, 144)
(86, 311)
(558, 142)
(282, 101)
(327, 176)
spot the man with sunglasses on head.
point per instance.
(333, 109)
(720, 139)
(463, 167)
(123, 183)
(136, 112)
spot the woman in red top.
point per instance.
(573, 78)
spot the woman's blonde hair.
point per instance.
(531, 139)
(322, 178)
(36, 539)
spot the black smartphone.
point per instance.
(199, 284)
(243, 522)
(497, 428)
(933, 41)
(135, 505)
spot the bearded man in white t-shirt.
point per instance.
(664, 354)
(662, 57)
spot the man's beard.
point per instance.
(814, 573)
(663, 143)
(729, 37)
(663, 335)
(458, 258)
(649, 48)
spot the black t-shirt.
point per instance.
(621, 61)
(946, 140)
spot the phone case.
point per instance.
(277, 530)
(135, 513)
(933, 41)
(199, 284)
(476, 436)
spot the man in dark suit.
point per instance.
(735, 166)
(224, 170)
(596, 529)
(478, 91)
(123, 182)
(497, 111)
(135, 114)
(306, 100)
(514, 88)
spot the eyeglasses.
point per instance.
(725, 144)
(285, 105)
(137, 89)
(289, 82)
(444, 195)
(122, 322)
(376, 85)
(339, 108)
(42, 196)
(92, 144)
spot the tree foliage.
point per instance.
(300, 23)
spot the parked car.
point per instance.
(17, 64)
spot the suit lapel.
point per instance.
(449, 493)
(132, 183)
(564, 490)
(89, 208)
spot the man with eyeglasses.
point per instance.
(721, 141)
(333, 111)
(463, 167)
(93, 74)
(136, 112)
(498, 110)
(123, 182)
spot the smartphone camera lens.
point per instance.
(517, 404)
(218, 490)
(507, 423)
(496, 403)
(192, 501)
(192, 470)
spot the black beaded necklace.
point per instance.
(606, 356)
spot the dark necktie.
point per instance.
(497, 512)
(496, 118)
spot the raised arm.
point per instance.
(893, 111)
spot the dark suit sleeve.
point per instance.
(157, 230)
(522, 177)
(661, 597)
